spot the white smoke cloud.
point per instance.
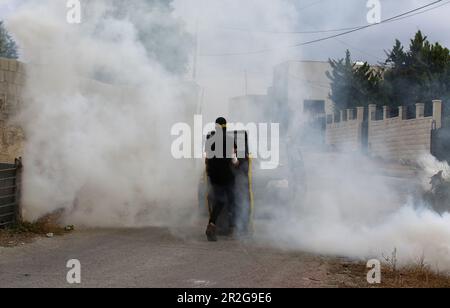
(432, 166)
(102, 151)
(352, 210)
(219, 24)
(97, 117)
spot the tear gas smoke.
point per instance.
(98, 111)
(432, 166)
(352, 210)
(97, 116)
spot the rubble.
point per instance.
(439, 195)
(69, 228)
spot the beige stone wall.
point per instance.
(12, 80)
(344, 136)
(390, 138)
(400, 138)
(11, 141)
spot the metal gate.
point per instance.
(365, 132)
(10, 183)
(440, 143)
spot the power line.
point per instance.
(374, 56)
(394, 18)
(290, 32)
(422, 12)
(358, 49)
(369, 25)
(326, 30)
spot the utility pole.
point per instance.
(195, 60)
(201, 100)
(246, 82)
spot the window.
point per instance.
(314, 106)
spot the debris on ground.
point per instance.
(26, 232)
(11, 238)
(439, 195)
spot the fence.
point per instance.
(10, 184)
(404, 134)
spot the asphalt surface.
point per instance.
(159, 257)
(156, 257)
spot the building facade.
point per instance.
(304, 86)
(298, 87)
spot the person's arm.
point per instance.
(207, 166)
(235, 161)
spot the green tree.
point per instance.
(8, 47)
(353, 84)
(342, 87)
(420, 74)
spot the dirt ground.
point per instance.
(26, 233)
(158, 257)
(9, 238)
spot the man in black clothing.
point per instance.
(220, 162)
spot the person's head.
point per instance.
(221, 123)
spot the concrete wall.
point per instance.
(12, 80)
(396, 138)
(345, 133)
(400, 138)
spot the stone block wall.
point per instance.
(345, 133)
(400, 138)
(395, 138)
(12, 80)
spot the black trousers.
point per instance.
(220, 196)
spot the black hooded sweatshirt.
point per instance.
(220, 169)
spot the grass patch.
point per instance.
(417, 275)
(37, 228)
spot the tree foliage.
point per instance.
(353, 84)
(419, 74)
(8, 47)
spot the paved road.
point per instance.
(154, 257)
(157, 257)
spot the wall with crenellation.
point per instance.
(400, 138)
(345, 133)
(389, 138)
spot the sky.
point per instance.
(313, 15)
(235, 26)
(6, 7)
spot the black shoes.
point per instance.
(211, 232)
